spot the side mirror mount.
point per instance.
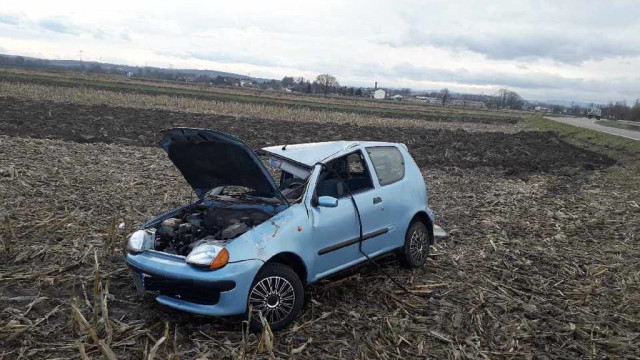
(327, 201)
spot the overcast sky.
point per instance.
(572, 50)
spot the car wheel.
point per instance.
(416, 245)
(278, 294)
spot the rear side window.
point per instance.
(388, 163)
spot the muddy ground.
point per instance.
(522, 152)
(541, 261)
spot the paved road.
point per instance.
(590, 124)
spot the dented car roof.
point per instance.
(310, 154)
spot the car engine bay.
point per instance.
(180, 234)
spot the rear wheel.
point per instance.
(278, 294)
(415, 251)
(597, 117)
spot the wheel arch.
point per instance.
(423, 218)
(293, 261)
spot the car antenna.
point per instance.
(284, 147)
(361, 237)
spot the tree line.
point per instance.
(621, 111)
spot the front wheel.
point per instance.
(278, 294)
(415, 251)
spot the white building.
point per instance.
(379, 94)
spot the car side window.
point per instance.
(388, 163)
(350, 170)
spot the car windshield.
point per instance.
(292, 180)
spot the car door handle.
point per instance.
(377, 200)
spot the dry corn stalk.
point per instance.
(266, 337)
(82, 321)
(111, 237)
(97, 285)
(156, 346)
(9, 235)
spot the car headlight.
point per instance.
(209, 255)
(141, 240)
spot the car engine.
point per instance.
(181, 234)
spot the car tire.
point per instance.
(278, 292)
(417, 242)
(597, 117)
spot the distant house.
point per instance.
(397, 97)
(379, 94)
(129, 74)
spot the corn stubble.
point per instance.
(539, 265)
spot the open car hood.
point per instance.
(209, 159)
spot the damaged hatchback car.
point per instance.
(251, 242)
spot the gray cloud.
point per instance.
(223, 57)
(580, 49)
(527, 80)
(99, 34)
(58, 25)
(103, 35)
(10, 19)
(568, 31)
(561, 47)
(556, 47)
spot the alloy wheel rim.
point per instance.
(274, 296)
(418, 246)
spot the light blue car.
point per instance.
(251, 242)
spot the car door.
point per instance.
(392, 196)
(335, 230)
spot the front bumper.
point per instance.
(185, 287)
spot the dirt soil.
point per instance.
(541, 261)
(523, 152)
